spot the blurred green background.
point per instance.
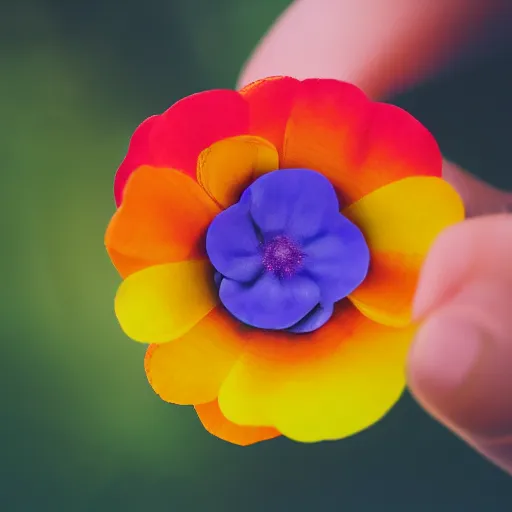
(81, 429)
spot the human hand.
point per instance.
(460, 366)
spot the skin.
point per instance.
(460, 363)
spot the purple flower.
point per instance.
(284, 254)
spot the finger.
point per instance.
(381, 46)
(476, 248)
(460, 367)
(460, 364)
(479, 197)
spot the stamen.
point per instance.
(282, 256)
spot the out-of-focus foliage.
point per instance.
(80, 428)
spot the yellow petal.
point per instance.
(407, 215)
(229, 166)
(400, 222)
(163, 302)
(326, 385)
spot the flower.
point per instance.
(270, 241)
(285, 254)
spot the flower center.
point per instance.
(282, 256)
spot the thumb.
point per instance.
(460, 366)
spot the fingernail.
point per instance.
(445, 352)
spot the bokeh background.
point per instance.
(80, 428)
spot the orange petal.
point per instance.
(270, 102)
(229, 166)
(358, 145)
(124, 264)
(387, 293)
(191, 369)
(329, 384)
(163, 219)
(214, 422)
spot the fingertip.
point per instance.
(475, 249)
(446, 350)
(443, 271)
(459, 364)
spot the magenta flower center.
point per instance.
(282, 256)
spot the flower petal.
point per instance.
(229, 166)
(313, 320)
(325, 385)
(233, 245)
(163, 302)
(191, 369)
(163, 218)
(385, 303)
(400, 223)
(270, 103)
(195, 123)
(270, 303)
(214, 422)
(298, 203)
(175, 138)
(126, 265)
(338, 260)
(358, 145)
(138, 154)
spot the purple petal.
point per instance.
(233, 246)
(292, 202)
(313, 320)
(337, 261)
(270, 303)
(217, 278)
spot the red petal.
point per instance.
(175, 138)
(270, 103)
(195, 123)
(138, 154)
(358, 145)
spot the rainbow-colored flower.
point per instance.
(270, 241)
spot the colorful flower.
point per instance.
(270, 241)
